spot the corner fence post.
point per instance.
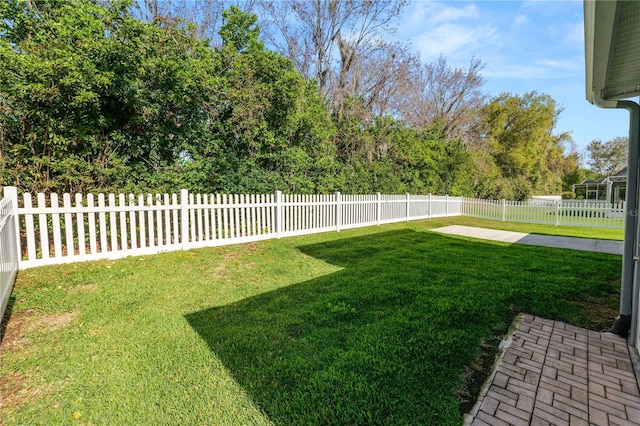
(379, 209)
(11, 193)
(557, 213)
(504, 210)
(184, 218)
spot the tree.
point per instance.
(201, 18)
(518, 134)
(311, 32)
(95, 99)
(608, 158)
(439, 93)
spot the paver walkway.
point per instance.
(584, 244)
(552, 373)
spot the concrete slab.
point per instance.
(572, 243)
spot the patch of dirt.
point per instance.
(230, 257)
(86, 287)
(10, 386)
(14, 334)
(221, 269)
(15, 392)
(601, 314)
(50, 323)
(21, 324)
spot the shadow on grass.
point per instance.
(393, 337)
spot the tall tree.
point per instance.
(608, 158)
(203, 18)
(519, 134)
(310, 33)
(440, 93)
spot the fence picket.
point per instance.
(133, 228)
(55, 224)
(176, 223)
(123, 223)
(158, 219)
(31, 237)
(68, 226)
(103, 224)
(150, 222)
(43, 228)
(143, 222)
(113, 224)
(91, 225)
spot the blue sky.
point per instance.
(525, 46)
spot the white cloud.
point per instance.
(499, 67)
(453, 39)
(446, 14)
(520, 20)
(440, 28)
(563, 64)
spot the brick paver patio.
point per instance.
(553, 373)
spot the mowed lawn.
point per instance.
(392, 325)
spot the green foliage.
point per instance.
(527, 156)
(608, 158)
(93, 99)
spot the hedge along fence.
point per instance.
(65, 229)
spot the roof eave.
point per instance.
(598, 34)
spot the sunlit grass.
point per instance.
(381, 325)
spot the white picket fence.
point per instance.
(559, 213)
(49, 229)
(67, 229)
(9, 257)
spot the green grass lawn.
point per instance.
(381, 325)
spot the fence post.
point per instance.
(184, 218)
(338, 211)
(504, 210)
(11, 193)
(557, 212)
(379, 210)
(408, 200)
(279, 215)
(446, 205)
